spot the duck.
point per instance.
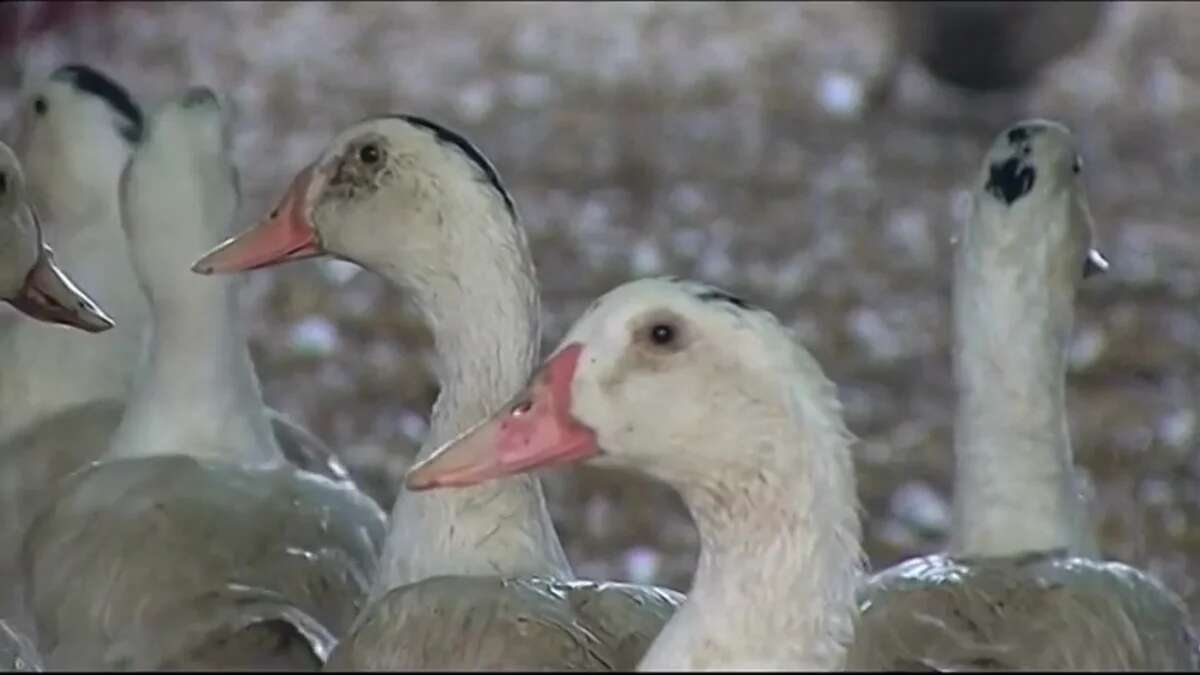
(1022, 586)
(77, 129)
(410, 199)
(30, 280)
(192, 543)
(62, 395)
(57, 387)
(33, 283)
(692, 386)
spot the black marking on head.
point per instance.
(90, 81)
(1023, 133)
(717, 295)
(444, 135)
(1010, 180)
(3, 183)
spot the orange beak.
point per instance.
(286, 234)
(536, 429)
(50, 295)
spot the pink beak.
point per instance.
(286, 234)
(536, 429)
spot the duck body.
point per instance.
(192, 543)
(63, 396)
(1031, 613)
(416, 202)
(177, 544)
(525, 623)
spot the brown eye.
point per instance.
(369, 154)
(662, 334)
(39, 105)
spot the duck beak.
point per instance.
(286, 234)
(50, 295)
(1094, 264)
(533, 430)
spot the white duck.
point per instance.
(419, 204)
(63, 397)
(1019, 588)
(33, 283)
(76, 130)
(693, 387)
(193, 543)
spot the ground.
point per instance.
(741, 144)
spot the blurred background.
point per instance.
(812, 157)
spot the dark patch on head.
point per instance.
(90, 81)
(714, 295)
(3, 183)
(1017, 135)
(447, 136)
(354, 176)
(1010, 180)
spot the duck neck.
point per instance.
(484, 320)
(780, 557)
(196, 392)
(1015, 489)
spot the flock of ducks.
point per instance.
(157, 515)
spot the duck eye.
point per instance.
(39, 105)
(1077, 166)
(369, 154)
(662, 334)
(3, 182)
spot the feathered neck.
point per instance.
(196, 392)
(780, 553)
(481, 303)
(1015, 489)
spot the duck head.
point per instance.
(659, 375)
(1031, 196)
(383, 193)
(179, 192)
